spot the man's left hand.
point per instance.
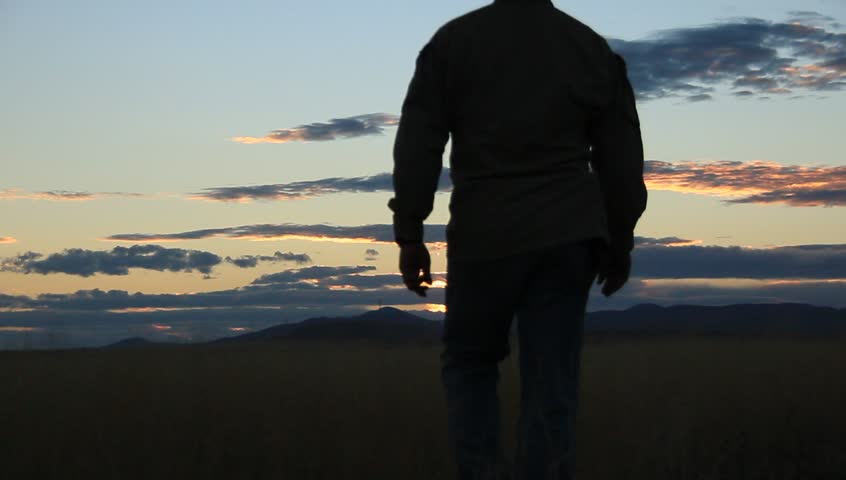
(413, 258)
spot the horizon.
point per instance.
(153, 165)
(200, 332)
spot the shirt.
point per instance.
(546, 140)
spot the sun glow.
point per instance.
(435, 307)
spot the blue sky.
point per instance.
(144, 98)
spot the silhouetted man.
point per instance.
(547, 174)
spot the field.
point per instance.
(673, 408)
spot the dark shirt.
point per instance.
(546, 142)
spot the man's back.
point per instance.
(532, 99)
(526, 92)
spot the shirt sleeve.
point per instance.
(420, 141)
(617, 158)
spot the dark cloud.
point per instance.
(662, 242)
(744, 93)
(276, 294)
(357, 126)
(749, 182)
(666, 271)
(356, 289)
(750, 54)
(381, 233)
(371, 254)
(654, 260)
(120, 260)
(695, 261)
(310, 275)
(12, 301)
(798, 197)
(701, 97)
(251, 261)
(381, 182)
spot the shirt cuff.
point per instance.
(407, 231)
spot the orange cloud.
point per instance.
(7, 240)
(63, 195)
(757, 181)
(435, 307)
(312, 238)
(368, 234)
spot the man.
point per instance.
(547, 174)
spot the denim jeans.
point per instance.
(547, 291)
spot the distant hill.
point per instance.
(393, 325)
(386, 324)
(130, 342)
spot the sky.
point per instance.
(162, 160)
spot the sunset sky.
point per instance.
(185, 157)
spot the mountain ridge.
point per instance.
(393, 325)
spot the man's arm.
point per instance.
(419, 146)
(618, 159)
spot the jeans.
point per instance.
(547, 290)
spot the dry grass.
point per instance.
(650, 409)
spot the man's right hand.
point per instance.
(613, 270)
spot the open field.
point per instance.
(671, 408)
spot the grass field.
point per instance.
(676, 408)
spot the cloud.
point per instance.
(350, 127)
(382, 182)
(377, 233)
(119, 260)
(701, 97)
(664, 242)
(276, 294)
(749, 54)
(813, 18)
(99, 326)
(251, 261)
(367, 282)
(6, 240)
(797, 274)
(709, 275)
(370, 254)
(64, 195)
(754, 182)
(310, 275)
(819, 262)
(315, 286)
(668, 257)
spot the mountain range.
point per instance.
(389, 324)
